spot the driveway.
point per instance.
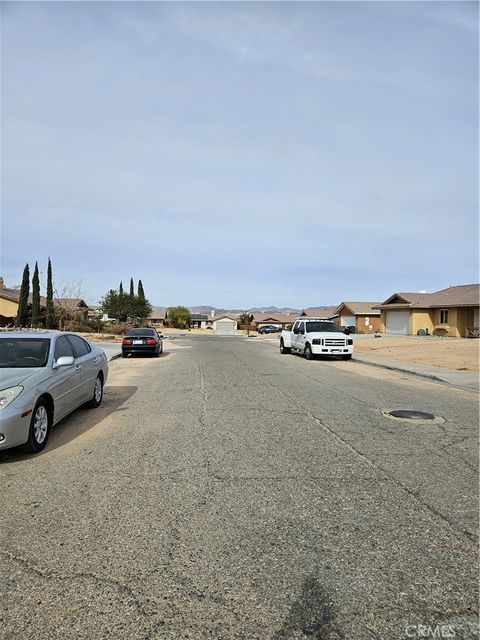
(226, 491)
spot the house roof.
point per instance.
(464, 295)
(320, 312)
(359, 308)
(14, 294)
(281, 318)
(158, 313)
(225, 316)
(72, 303)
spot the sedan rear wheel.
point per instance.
(39, 427)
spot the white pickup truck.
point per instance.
(316, 336)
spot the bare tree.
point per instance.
(66, 297)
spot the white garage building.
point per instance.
(225, 325)
(397, 322)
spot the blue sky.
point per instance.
(241, 154)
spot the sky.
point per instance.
(241, 154)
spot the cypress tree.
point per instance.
(22, 313)
(144, 308)
(120, 289)
(49, 316)
(132, 291)
(35, 298)
(141, 293)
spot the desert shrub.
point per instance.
(77, 325)
(117, 328)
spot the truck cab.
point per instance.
(316, 336)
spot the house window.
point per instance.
(443, 316)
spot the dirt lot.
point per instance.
(459, 354)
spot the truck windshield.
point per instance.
(317, 327)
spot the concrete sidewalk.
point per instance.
(462, 379)
(112, 350)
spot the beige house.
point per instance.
(280, 320)
(361, 315)
(450, 312)
(9, 304)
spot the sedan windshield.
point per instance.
(317, 327)
(19, 353)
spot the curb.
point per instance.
(402, 370)
(115, 357)
(427, 376)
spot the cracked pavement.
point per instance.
(226, 491)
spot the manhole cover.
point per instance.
(410, 415)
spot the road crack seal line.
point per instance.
(366, 459)
(50, 574)
(203, 426)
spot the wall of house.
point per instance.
(446, 329)
(8, 308)
(462, 322)
(421, 319)
(473, 314)
(362, 327)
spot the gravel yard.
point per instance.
(459, 354)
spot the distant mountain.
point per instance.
(274, 310)
(219, 311)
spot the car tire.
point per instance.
(347, 356)
(40, 425)
(124, 355)
(97, 397)
(307, 352)
(283, 348)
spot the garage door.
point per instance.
(347, 321)
(397, 322)
(225, 328)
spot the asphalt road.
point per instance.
(226, 491)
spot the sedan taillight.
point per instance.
(151, 341)
(126, 341)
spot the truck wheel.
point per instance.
(347, 356)
(283, 348)
(307, 352)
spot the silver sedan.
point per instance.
(45, 375)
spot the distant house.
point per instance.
(225, 325)
(9, 304)
(73, 307)
(97, 313)
(328, 313)
(361, 315)
(450, 312)
(158, 316)
(280, 320)
(201, 321)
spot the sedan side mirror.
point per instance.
(64, 361)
